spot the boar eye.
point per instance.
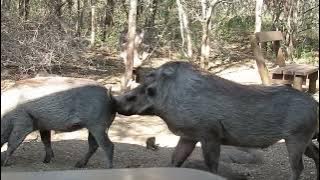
(131, 98)
(151, 91)
(151, 74)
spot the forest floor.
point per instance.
(130, 133)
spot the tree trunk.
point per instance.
(24, 9)
(93, 23)
(108, 21)
(79, 19)
(207, 13)
(149, 23)
(289, 35)
(205, 48)
(70, 4)
(128, 76)
(21, 8)
(180, 11)
(58, 4)
(259, 4)
(276, 17)
(125, 8)
(140, 9)
(84, 7)
(184, 28)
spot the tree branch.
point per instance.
(310, 9)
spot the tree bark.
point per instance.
(79, 19)
(93, 23)
(108, 21)
(207, 12)
(184, 28)
(58, 4)
(128, 76)
(259, 4)
(24, 9)
(290, 29)
(70, 4)
(149, 23)
(125, 8)
(180, 10)
(82, 14)
(188, 35)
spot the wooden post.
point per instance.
(279, 54)
(313, 82)
(297, 82)
(262, 68)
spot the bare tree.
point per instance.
(149, 22)
(128, 75)
(24, 8)
(79, 20)
(258, 21)
(81, 15)
(57, 7)
(207, 12)
(70, 4)
(184, 28)
(108, 19)
(93, 23)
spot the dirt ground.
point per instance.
(130, 133)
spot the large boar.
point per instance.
(205, 108)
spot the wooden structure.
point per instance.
(291, 74)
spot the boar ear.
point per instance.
(109, 91)
(110, 94)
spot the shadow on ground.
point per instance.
(29, 156)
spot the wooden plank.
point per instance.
(281, 81)
(299, 69)
(295, 69)
(278, 70)
(269, 36)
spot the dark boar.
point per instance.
(200, 107)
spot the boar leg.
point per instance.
(182, 151)
(46, 140)
(211, 154)
(102, 139)
(312, 151)
(18, 134)
(93, 146)
(296, 147)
